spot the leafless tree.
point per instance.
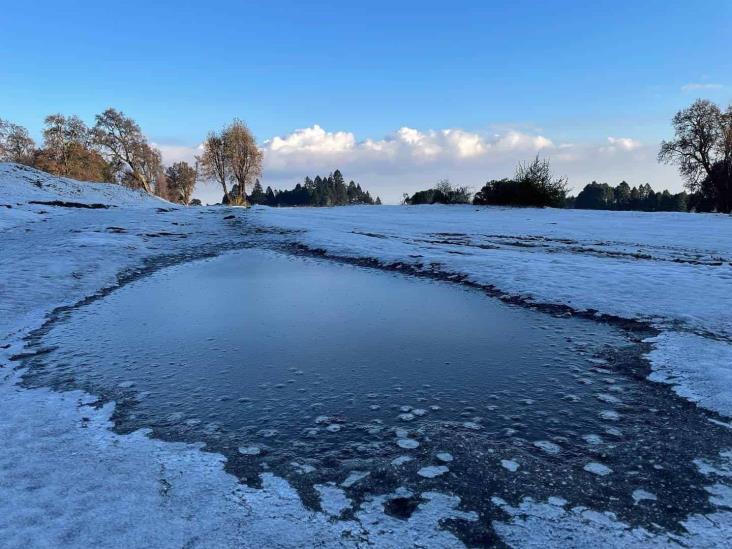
(15, 144)
(702, 148)
(214, 163)
(243, 155)
(122, 141)
(698, 132)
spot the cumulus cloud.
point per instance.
(409, 159)
(178, 153)
(406, 146)
(696, 86)
(313, 140)
(621, 144)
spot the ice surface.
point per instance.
(671, 269)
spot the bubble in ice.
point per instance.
(597, 469)
(548, 447)
(610, 399)
(406, 417)
(432, 471)
(354, 477)
(510, 464)
(401, 460)
(444, 457)
(592, 439)
(610, 415)
(640, 494)
(407, 443)
(303, 468)
(250, 450)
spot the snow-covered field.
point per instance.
(66, 479)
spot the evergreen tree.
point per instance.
(257, 196)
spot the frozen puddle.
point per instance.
(333, 375)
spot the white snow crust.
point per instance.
(67, 480)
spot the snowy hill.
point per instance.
(24, 191)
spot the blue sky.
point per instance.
(575, 73)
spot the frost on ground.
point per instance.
(556, 524)
(671, 269)
(66, 479)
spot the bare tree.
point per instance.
(702, 148)
(243, 155)
(214, 163)
(697, 135)
(15, 144)
(181, 179)
(122, 141)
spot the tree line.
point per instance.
(701, 148)
(601, 196)
(319, 191)
(533, 185)
(114, 149)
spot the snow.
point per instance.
(67, 479)
(698, 368)
(552, 525)
(65, 472)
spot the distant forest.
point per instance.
(531, 189)
(601, 196)
(320, 191)
(701, 148)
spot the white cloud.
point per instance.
(406, 146)
(313, 140)
(621, 144)
(695, 86)
(410, 159)
(178, 153)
